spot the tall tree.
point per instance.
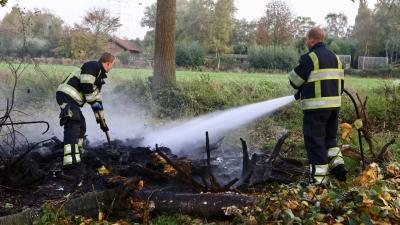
(276, 27)
(165, 51)
(302, 26)
(197, 23)
(42, 32)
(223, 23)
(387, 16)
(364, 28)
(244, 35)
(3, 3)
(100, 22)
(337, 25)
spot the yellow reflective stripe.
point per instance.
(67, 160)
(336, 161)
(67, 149)
(87, 79)
(92, 96)
(340, 66)
(334, 152)
(326, 75)
(320, 169)
(99, 97)
(320, 103)
(296, 79)
(327, 70)
(314, 59)
(80, 142)
(72, 92)
(77, 155)
(317, 89)
(321, 179)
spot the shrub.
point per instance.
(273, 58)
(391, 72)
(124, 57)
(190, 55)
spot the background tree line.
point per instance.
(275, 40)
(46, 34)
(208, 34)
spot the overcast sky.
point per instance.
(131, 11)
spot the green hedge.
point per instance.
(189, 55)
(391, 72)
(273, 58)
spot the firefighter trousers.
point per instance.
(320, 130)
(74, 123)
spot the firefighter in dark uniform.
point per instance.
(77, 89)
(319, 80)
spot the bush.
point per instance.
(273, 58)
(391, 72)
(190, 55)
(227, 62)
(124, 57)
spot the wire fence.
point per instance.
(346, 61)
(365, 62)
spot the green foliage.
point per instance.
(189, 55)
(226, 62)
(276, 27)
(369, 199)
(124, 57)
(273, 58)
(49, 216)
(223, 22)
(3, 3)
(80, 44)
(391, 72)
(336, 24)
(166, 220)
(40, 30)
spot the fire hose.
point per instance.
(359, 130)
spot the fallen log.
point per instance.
(207, 205)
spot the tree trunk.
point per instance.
(165, 52)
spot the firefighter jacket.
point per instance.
(85, 85)
(319, 78)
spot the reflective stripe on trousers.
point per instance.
(69, 150)
(319, 174)
(335, 157)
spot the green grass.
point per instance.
(202, 92)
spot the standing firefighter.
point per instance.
(319, 79)
(77, 89)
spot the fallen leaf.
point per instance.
(368, 176)
(101, 216)
(103, 170)
(140, 185)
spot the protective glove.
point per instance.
(97, 106)
(98, 110)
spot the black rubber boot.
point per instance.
(339, 172)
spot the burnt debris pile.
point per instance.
(127, 167)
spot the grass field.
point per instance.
(203, 92)
(127, 74)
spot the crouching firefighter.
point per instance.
(319, 79)
(77, 89)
